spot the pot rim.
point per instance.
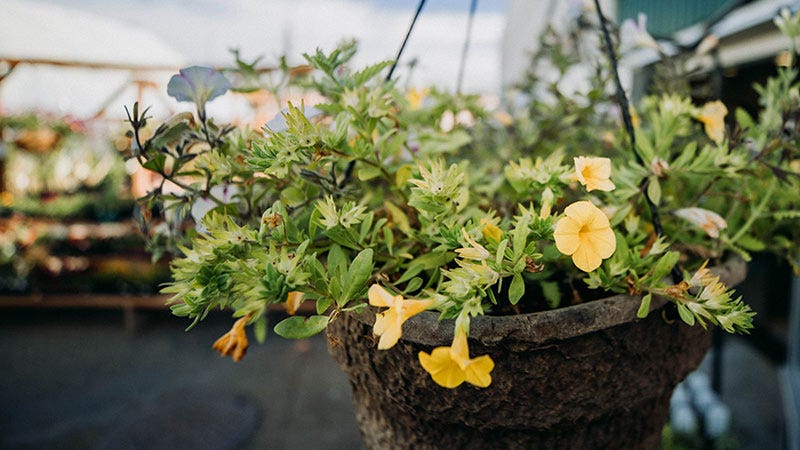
(545, 326)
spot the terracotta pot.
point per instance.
(586, 376)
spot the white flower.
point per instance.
(709, 221)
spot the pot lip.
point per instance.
(546, 326)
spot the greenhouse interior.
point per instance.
(345, 224)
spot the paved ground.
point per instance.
(75, 380)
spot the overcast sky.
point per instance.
(204, 30)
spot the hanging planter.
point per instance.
(591, 375)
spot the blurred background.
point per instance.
(92, 357)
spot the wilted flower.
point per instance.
(633, 34)
(293, 301)
(474, 251)
(197, 84)
(712, 115)
(451, 366)
(389, 323)
(585, 234)
(594, 173)
(234, 343)
(709, 221)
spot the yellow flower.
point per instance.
(490, 231)
(713, 117)
(709, 221)
(586, 235)
(594, 173)
(451, 366)
(415, 97)
(234, 343)
(474, 251)
(389, 324)
(293, 301)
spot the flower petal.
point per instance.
(566, 235)
(601, 241)
(477, 372)
(586, 259)
(444, 371)
(378, 296)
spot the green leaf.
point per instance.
(260, 329)
(297, 327)
(551, 293)
(323, 304)
(367, 172)
(156, 163)
(644, 308)
(426, 262)
(665, 265)
(337, 260)
(357, 275)
(751, 243)
(293, 196)
(654, 190)
(517, 289)
(685, 314)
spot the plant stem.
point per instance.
(756, 212)
(622, 98)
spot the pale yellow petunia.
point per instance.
(594, 173)
(451, 366)
(389, 323)
(585, 234)
(712, 115)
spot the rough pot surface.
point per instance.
(587, 376)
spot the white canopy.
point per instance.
(72, 62)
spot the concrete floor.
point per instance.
(76, 380)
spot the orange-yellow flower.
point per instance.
(234, 343)
(389, 323)
(490, 231)
(293, 301)
(451, 366)
(585, 234)
(594, 172)
(712, 115)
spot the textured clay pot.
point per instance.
(582, 377)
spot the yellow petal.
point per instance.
(586, 259)
(378, 296)
(601, 241)
(413, 307)
(389, 328)
(444, 371)
(490, 231)
(477, 372)
(566, 235)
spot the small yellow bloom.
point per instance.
(6, 199)
(475, 251)
(709, 221)
(415, 97)
(586, 235)
(594, 173)
(712, 115)
(234, 343)
(389, 323)
(547, 203)
(490, 231)
(293, 301)
(451, 366)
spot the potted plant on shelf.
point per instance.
(485, 279)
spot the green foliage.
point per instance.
(443, 200)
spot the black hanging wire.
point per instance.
(464, 50)
(405, 40)
(622, 99)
